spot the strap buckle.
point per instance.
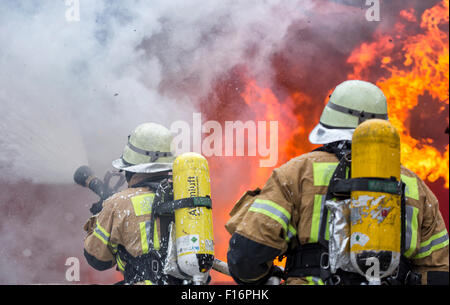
(335, 279)
(155, 266)
(324, 256)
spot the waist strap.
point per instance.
(308, 260)
(312, 260)
(148, 266)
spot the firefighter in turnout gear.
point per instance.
(288, 216)
(124, 233)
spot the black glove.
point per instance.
(96, 207)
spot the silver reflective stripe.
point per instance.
(411, 230)
(147, 230)
(271, 210)
(99, 232)
(290, 234)
(323, 209)
(408, 233)
(433, 243)
(316, 280)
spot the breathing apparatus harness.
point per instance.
(312, 259)
(150, 266)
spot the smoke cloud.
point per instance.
(72, 91)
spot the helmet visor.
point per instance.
(323, 135)
(147, 168)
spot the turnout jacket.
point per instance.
(124, 222)
(290, 206)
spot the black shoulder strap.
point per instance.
(151, 182)
(339, 148)
(342, 150)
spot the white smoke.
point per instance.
(70, 92)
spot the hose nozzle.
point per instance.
(84, 176)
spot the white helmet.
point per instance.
(351, 103)
(147, 150)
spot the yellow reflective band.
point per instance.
(142, 204)
(432, 238)
(291, 233)
(275, 206)
(120, 264)
(102, 230)
(147, 282)
(327, 230)
(312, 280)
(315, 224)
(411, 190)
(144, 242)
(411, 231)
(435, 242)
(99, 236)
(155, 238)
(272, 210)
(270, 215)
(113, 247)
(322, 172)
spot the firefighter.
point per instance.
(123, 232)
(287, 217)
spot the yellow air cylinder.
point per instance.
(375, 242)
(193, 225)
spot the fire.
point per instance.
(416, 65)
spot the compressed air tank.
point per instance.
(375, 241)
(193, 225)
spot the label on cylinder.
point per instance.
(375, 228)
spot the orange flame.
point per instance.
(422, 67)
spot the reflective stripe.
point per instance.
(327, 231)
(147, 282)
(155, 238)
(315, 224)
(411, 190)
(113, 247)
(272, 210)
(101, 234)
(120, 264)
(291, 233)
(313, 280)
(435, 242)
(142, 204)
(322, 172)
(411, 230)
(146, 241)
(144, 237)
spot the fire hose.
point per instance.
(85, 177)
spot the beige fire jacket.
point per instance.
(291, 202)
(124, 220)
